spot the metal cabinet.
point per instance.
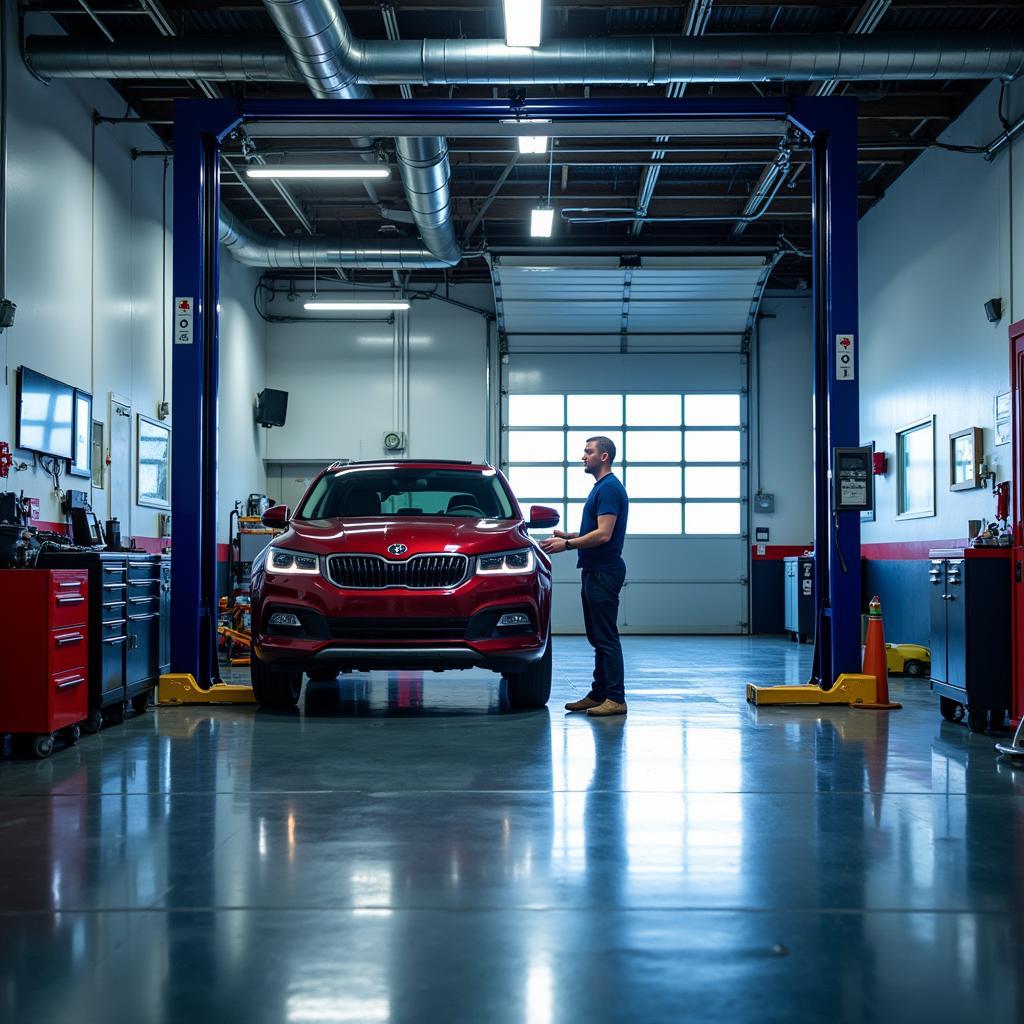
(969, 607)
(799, 597)
(142, 660)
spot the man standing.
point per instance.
(599, 542)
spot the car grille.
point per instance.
(421, 630)
(421, 572)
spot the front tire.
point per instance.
(914, 669)
(532, 687)
(274, 689)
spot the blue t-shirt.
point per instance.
(607, 498)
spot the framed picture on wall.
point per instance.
(153, 463)
(1002, 420)
(965, 451)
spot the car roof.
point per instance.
(477, 467)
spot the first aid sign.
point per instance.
(183, 308)
(844, 357)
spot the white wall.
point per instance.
(243, 374)
(86, 257)
(340, 381)
(931, 253)
(784, 350)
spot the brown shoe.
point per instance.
(609, 707)
(582, 705)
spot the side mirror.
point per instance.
(276, 517)
(542, 518)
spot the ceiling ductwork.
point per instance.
(347, 63)
(327, 54)
(272, 251)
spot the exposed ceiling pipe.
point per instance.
(643, 60)
(258, 250)
(324, 49)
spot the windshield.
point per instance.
(397, 491)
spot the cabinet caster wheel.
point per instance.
(977, 719)
(42, 746)
(951, 710)
(93, 723)
(72, 734)
(114, 714)
(140, 702)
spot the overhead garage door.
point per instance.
(675, 404)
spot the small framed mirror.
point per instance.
(965, 452)
(153, 463)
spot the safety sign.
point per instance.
(844, 357)
(183, 308)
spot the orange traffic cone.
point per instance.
(874, 659)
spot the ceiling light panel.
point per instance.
(522, 22)
(367, 171)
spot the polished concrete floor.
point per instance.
(406, 848)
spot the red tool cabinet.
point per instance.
(44, 673)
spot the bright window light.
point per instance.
(542, 220)
(522, 22)
(366, 171)
(360, 306)
(533, 143)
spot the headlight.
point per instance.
(299, 563)
(506, 563)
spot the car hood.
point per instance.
(419, 535)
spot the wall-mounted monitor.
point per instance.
(81, 462)
(46, 414)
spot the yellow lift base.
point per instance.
(850, 689)
(179, 688)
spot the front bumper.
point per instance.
(402, 629)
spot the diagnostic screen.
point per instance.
(45, 414)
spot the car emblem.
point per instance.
(397, 549)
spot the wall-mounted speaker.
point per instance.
(994, 310)
(271, 408)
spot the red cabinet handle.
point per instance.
(73, 681)
(69, 584)
(68, 599)
(70, 638)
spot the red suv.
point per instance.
(403, 565)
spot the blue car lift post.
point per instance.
(201, 126)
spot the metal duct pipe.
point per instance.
(647, 60)
(258, 250)
(328, 55)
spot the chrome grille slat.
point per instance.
(421, 572)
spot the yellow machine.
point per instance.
(908, 660)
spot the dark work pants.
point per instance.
(600, 611)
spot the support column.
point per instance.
(198, 128)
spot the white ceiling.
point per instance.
(666, 295)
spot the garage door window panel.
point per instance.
(713, 482)
(712, 517)
(585, 410)
(654, 482)
(536, 446)
(712, 410)
(712, 446)
(536, 410)
(654, 410)
(654, 518)
(537, 482)
(654, 446)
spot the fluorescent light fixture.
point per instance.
(388, 304)
(522, 22)
(367, 171)
(533, 143)
(542, 220)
